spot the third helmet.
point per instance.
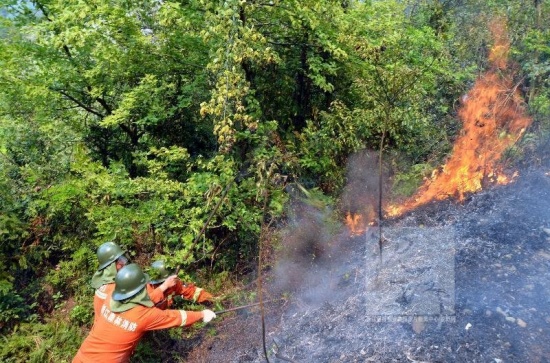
(107, 253)
(159, 271)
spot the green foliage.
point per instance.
(11, 230)
(146, 351)
(406, 183)
(13, 310)
(81, 314)
(397, 65)
(532, 52)
(54, 341)
(327, 144)
(535, 55)
(68, 274)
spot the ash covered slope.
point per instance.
(489, 302)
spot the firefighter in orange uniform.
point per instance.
(164, 286)
(111, 259)
(126, 315)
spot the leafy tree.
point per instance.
(395, 99)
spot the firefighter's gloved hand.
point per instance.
(205, 297)
(208, 315)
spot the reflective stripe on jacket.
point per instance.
(114, 336)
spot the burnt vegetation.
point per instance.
(501, 240)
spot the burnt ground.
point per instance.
(456, 283)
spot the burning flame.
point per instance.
(356, 224)
(493, 120)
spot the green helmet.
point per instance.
(107, 253)
(129, 281)
(159, 271)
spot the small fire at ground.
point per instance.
(356, 224)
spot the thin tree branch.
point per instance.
(79, 103)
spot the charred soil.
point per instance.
(488, 302)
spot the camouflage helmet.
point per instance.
(159, 272)
(129, 281)
(107, 253)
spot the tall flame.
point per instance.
(493, 120)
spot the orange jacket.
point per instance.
(99, 298)
(114, 336)
(164, 300)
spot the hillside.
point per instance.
(489, 304)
